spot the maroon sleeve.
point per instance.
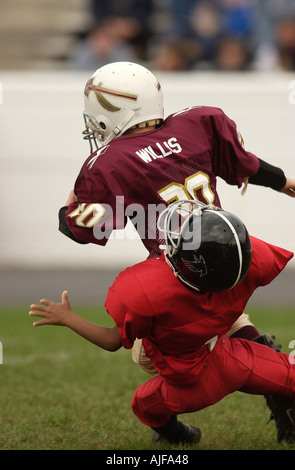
(230, 160)
(98, 209)
(94, 222)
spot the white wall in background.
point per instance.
(42, 151)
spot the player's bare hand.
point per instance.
(51, 312)
(289, 188)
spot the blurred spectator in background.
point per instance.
(237, 18)
(178, 35)
(206, 26)
(219, 32)
(268, 15)
(235, 48)
(285, 43)
(195, 23)
(232, 55)
(180, 12)
(175, 55)
(121, 31)
(137, 14)
(107, 41)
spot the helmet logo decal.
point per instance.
(198, 265)
(99, 90)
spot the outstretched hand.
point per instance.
(61, 314)
(289, 188)
(52, 313)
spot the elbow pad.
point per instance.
(269, 176)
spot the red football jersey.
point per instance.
(136, 175)
(147, 301)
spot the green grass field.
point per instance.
(59, 392)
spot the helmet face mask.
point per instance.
(92, 132)
(117, 97)
(211, 251)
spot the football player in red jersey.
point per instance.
(182, 305)
(147, 161)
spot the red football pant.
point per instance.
(233, 365)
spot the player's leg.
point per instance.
(243, 328)
(156, 403)
(232, 365)
(279, 405)
(282, 407)
(155, 410)
(282, 411)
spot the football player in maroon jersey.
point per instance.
(145, 161)
(182, 305)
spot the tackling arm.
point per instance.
(273, 177)
(62, 315)
(230, 145)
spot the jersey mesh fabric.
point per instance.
(185, 155)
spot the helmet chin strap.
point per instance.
(94, 130)
(118, 129)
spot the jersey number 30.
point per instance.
(194, 183)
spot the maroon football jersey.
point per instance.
(137, 175)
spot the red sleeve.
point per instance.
(127, 304)
(267, 261)
(230, 160)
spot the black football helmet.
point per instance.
(209, 249)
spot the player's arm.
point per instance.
(236, 165)
(62, 218)
(61, 314)
(289, 187)
(91, 222)
(273, 177)
(63, 227)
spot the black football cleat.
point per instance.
(268, 340)
(283, 412)
(282, 408)
(176, 432)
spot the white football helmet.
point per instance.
(118, 96)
